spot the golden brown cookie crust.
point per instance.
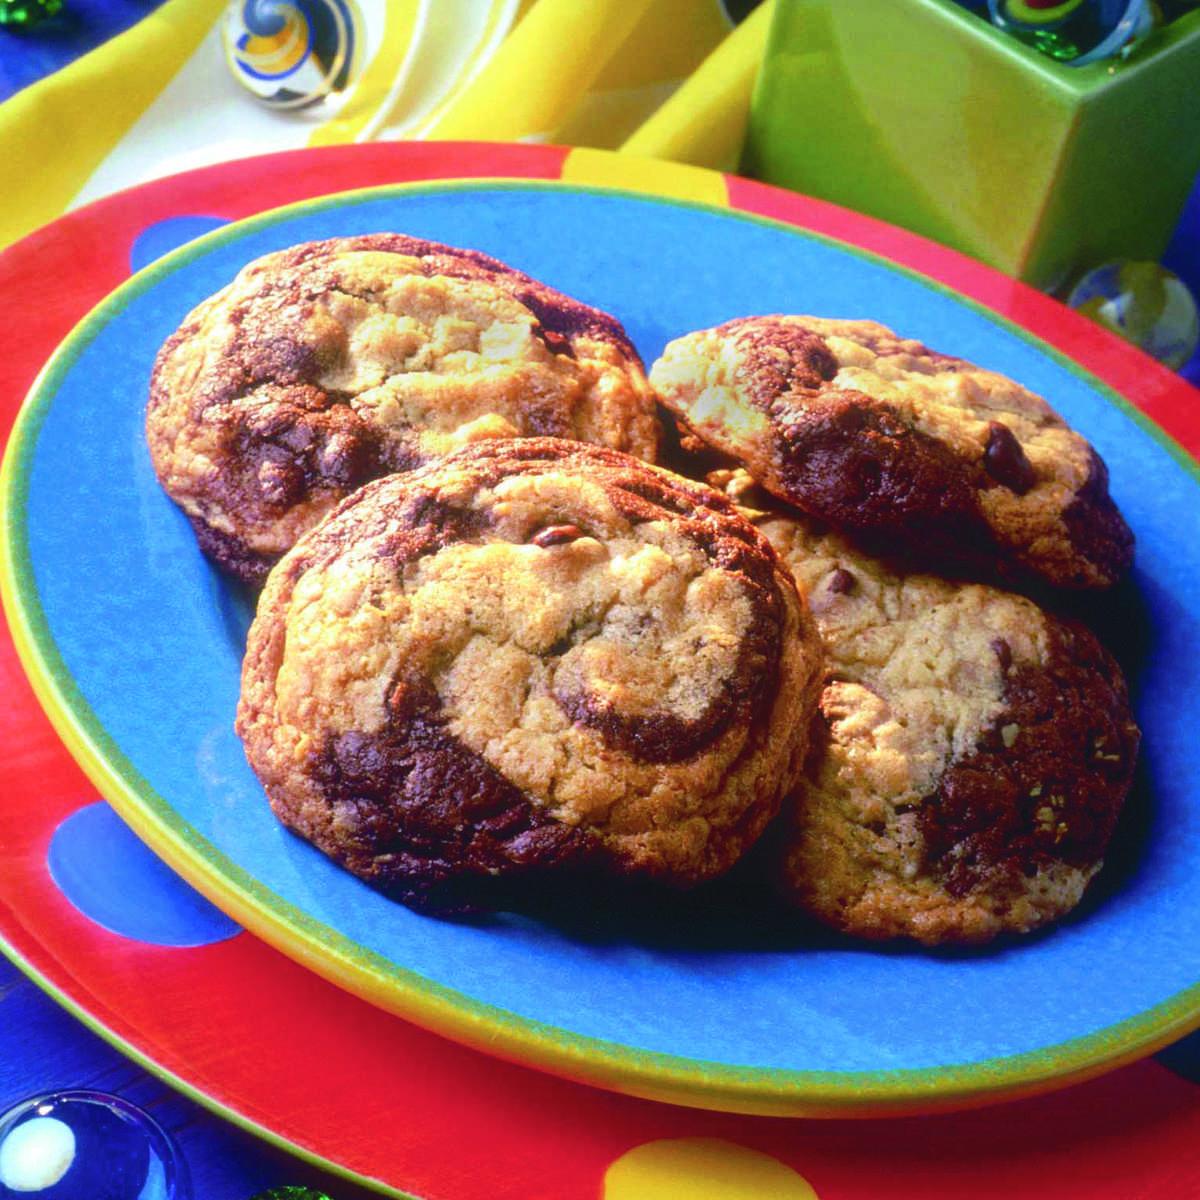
(971, 754)
(331, 363)
(882, 437)
(532, 656)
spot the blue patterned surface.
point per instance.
(1183, 257)
(28, 55)
(43, 1048)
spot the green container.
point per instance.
(919, 112)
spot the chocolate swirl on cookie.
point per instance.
(971, 755)
(1046, 778)
(529, 656)
(335, 362)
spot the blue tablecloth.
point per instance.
(43, 1048)
(28, 54)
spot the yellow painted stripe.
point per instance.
(704, 122)
(58, 131)
(603, 168)
(372, 88)
(538, 74)
(702, 1168)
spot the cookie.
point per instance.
(530, 658)
(890, 441)
(970, 757)
(335, 362)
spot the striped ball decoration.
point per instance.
(293, 53)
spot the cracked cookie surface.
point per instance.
(331, 363)
(970, 757)
(530, 657)
(886, 439)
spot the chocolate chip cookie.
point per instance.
(530, 657)
(888, 440)
(970, 757)
(335, 362)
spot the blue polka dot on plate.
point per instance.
(111, 877)
(164, 236)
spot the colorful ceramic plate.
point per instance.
(134, 645)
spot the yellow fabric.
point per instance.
(704, 122)
(660, 79)
(667, 43)
(409, 127)
(54, 133)
(352, 121)
(540, 72)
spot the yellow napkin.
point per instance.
(658, 78)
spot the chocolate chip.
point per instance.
(1005, 460)
(555, 342)
(779, 357)
(842, 582)
(556, 535)
(280, 481)
(1003, 652)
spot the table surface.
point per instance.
(42, 1048)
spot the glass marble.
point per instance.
(1076, 32)
(291, 1193)
(1146, 304)
(24, 14)
(293, 53)
(84, 1145)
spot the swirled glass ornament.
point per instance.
(1144, 303)
(292, 53)
(1077, 32)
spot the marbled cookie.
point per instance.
(533, 656)
(335, 362)
(886, 439)
(970, 757)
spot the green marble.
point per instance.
(24, 14)
(291, 1193)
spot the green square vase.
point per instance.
(919, 112)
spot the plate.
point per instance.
(134, 645)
